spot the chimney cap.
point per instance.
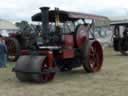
(44, 8)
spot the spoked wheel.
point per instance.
(46, 75)
(13, 49)
(93, 57)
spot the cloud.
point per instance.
(24, 9)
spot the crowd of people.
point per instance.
(3, 53)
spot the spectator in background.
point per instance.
(3, 53)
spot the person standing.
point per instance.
(3, 53)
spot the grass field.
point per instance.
(112, 80)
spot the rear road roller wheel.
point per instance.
(44, 77)
(92, 56)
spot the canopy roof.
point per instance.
(66, 15)
(120, 22)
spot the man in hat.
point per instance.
(3, 53)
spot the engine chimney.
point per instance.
(45, 22)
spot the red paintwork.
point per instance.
(81, 37)
(68, 53)
(50, 59)
(24, 52)
(12, 34)
(68, 41)
(80, 41)
(27, 52)
(48, 63)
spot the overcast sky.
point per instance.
(23, 9)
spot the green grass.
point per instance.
(112, 80)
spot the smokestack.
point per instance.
(45, 21)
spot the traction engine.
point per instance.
(66, 41)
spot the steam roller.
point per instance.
(66, 41)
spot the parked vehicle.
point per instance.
(19, 41)
(120, 37)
